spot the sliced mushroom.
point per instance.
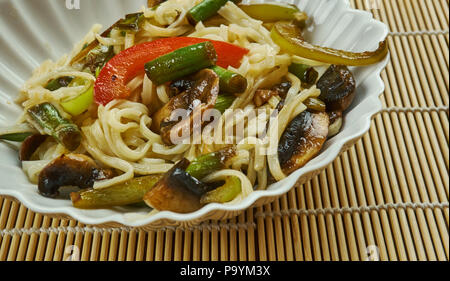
(30, 145)
(262, 96)
(302, 140)
(180, 86)
(337, 86)
(195, 100)
(336, 121)
(70, 170)
(177, 191)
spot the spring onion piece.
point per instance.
(315, 104)
(230, 82)
(98, 57)
(131, 22)
(208, 163)
(79, 104)
(17, 133)
(58, 83)
(224, 102)
(181, 62)
(46, 117)
(129, 192)
(305, 73)
(271, 12)
(18, 137)
(224, 193)
(288, 36)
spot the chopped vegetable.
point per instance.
(70, 170)
(336, 122)
(30, 145)
(98, 57)
(230, 82)
(288, 36)
(181, 62)
(224, 193)
(271, 12)
(17, 133)
(16, 137)
(58, 83)
(48, 120)
(224, 102)
(302, 140)
(337, 88)
(262, 96)
(205, 89)
(205, 10)
(80, 104)
(131, 22)
(129, 192)
(307, 74)
(315, 104)
(113, 78)
(176, 191)
(208, 163)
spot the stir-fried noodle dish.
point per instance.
(183, 104)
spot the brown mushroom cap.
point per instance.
(302, 140)
(337, 86)
(30, 145)
(177, 191)
(70, 170)
(195, 100)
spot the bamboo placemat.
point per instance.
(386, 198)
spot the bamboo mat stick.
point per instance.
(140, 248)
(331, 228)
(159, 248)
(296, 237)
(304, 225)
(187, 249)
(243, 245)
(312, 219)
(224, 244)
(287, 230)
(206, 245)
(324, 228)
(178, 247)
(96, 246)
(261, 237)
(233, 241)
(251, 237)
(196, 246)
(150, 250)
(105, 246)
(215, 245)
(279, 239)
(168, 245)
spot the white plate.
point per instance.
(33, 31)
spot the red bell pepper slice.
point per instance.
(115, 75)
